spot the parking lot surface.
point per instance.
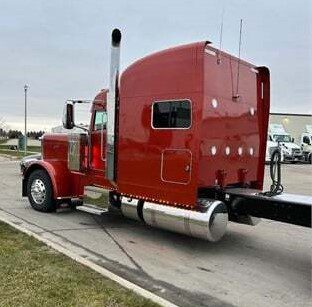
(266, 265)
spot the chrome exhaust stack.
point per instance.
(209, 223)
(112, 102)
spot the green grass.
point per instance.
(34, 148)
(101, 201)
(29, 148)
(13, 153)
(32, 274)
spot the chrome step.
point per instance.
(92, 209)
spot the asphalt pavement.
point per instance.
(266, 265)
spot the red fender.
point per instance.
(65, 184)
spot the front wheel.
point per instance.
(39, 191)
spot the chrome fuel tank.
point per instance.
(208, 223)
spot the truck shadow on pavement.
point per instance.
(239, 242)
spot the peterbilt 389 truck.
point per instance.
(178, 139)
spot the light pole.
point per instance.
(26, 87)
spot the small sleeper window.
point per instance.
(172, 114)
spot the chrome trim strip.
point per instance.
(211, 52)
(254, 70)
(69, 197)
(102, 139)
(262, 90)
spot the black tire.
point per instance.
(46, 203)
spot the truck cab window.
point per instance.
(171, 114)
(306, 140)
(99, 120)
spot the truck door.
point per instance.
(172, 121)
(98, 140)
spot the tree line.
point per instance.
(14, 134)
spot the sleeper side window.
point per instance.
(100, 118)
(175, 114)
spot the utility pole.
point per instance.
(25, 130)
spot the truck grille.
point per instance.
(296, 151)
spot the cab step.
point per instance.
(92, 209)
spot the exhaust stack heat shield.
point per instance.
(112, 102)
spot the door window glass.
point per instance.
(100, 118)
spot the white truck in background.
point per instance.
(271, 146)
(290, 151)
(306, 143)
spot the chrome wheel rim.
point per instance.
(38, 191)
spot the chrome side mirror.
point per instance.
(68, 115)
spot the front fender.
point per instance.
(58, 173)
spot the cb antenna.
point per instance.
(239, 58)
(220, 38)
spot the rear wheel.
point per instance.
(39, 191)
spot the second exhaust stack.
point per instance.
(112, 101)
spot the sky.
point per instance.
(60, 48)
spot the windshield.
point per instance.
(282, 138)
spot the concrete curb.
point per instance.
(5, 217)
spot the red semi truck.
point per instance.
(178, 139)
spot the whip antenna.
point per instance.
(220, 38)
(239, 58)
